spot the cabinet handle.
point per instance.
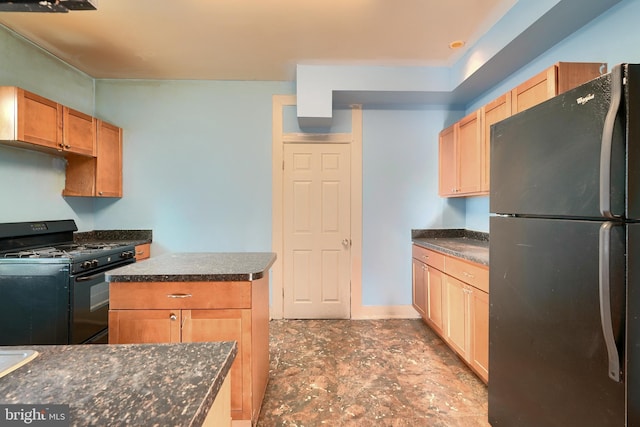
(139, 252)
(179, 296)
(469, 275)
(173, 316)
(425, 256)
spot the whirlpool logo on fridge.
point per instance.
(34, 415)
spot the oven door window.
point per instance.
(99, 296)
(90, 306)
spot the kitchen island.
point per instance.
(196, 297)
(108, 385)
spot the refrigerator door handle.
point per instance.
(607, 142)
(605, 302)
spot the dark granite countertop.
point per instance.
(124, 384)
(130, 237)
(196, 267)
(465, 244)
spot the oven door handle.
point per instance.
(88, 278)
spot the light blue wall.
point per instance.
(611, 38)
(31, 183)
(197, 162)
(400, 193)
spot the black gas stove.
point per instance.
(53, 289)
(83, 257)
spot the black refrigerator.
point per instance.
(564, 314)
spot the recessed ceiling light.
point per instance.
(457, 44)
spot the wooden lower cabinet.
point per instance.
(225, 325)
(144, 326)
(479, 332)
(457, 304)
(143, 251)
(457, 320)
(435, 284)
(428, 285)
(246, 322)
(219, 414)
(420, 285)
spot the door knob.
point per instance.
(346, 243)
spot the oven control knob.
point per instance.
(86, 264)
(94, 263)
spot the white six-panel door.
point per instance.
(317, 232)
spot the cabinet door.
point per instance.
(435, 280)
(537, 89)
(226, 325)
(456, 321)
(479, 314)
(491, 113)
(447, 161)
(109, 160)
(144, 326)
(419, 288)
(39, 120)
(79, 132)
(469, 154)
(553, 81)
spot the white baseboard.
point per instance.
(384, 312)
(371, 312)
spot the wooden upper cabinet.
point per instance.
(109, 160)
(78, 132)
(32, 121)
(465, 147)
(469, 153)
(99, 176)
(29, 118)
(493, 112)
(460, 153)
(554, 80)
(447, 161)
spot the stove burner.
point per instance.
(48, 252)
(64, 251)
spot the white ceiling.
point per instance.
(254, 39)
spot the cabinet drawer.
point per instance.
(179, 295)
(143, 251)
(474, 274)
(429, 257)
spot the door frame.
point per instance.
(279, 138)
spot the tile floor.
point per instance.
(367, 373)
